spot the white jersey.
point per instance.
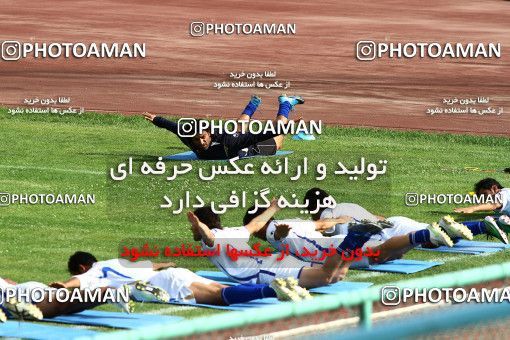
(250, 269)
(302, 235)
(504, 195)
(115, 273)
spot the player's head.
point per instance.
(312, 198)
(208, 217)
(80, 262)
(250, 214)
(202, 139)
(487, 187)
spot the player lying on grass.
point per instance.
(224, 146)
(50, 307)
(401, 225)
(168, 284)
(206, 227)
(305, 239)
(446, 232)
(495, 225)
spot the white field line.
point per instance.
(349, 322)
(170, 309)
(76, 171)
(354, 321)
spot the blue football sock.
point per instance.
(476, 227)
(245, 293)
(353, 240)
(251, 107)
(419, 237)
(284, 109)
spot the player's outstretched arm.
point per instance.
(161, 122)
(163, 265)
(207, 236)
(72, 282)
(327, 223)
(479, 207)
(261, 220)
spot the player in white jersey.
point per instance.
(400, 225)
(168, 284)
(305, 240)
(498, 200)
(16, 297)
(206, 227)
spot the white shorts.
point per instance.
(30, 292)
(402, 226)
(176, 282)
(288, 267)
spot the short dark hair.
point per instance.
(248, 217)
(80, 258)
(314, 196)
(486, 184)
(208, 217)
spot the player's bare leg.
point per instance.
(208, 293)
(333, 270)
(393, 248)
(335, 267)
(54, 308)
(218, 294)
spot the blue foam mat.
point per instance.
(29, 330)
(191, 156)
(341, 286)
(237, 306)
(402, 266)
(334, 288)
(470, 247)
(114, 319)
(216, 276)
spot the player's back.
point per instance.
(115, 273)
(246, 268)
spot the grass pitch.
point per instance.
(73, 154)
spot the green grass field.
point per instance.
(73, 154)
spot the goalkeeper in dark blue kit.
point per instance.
(207, 145)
